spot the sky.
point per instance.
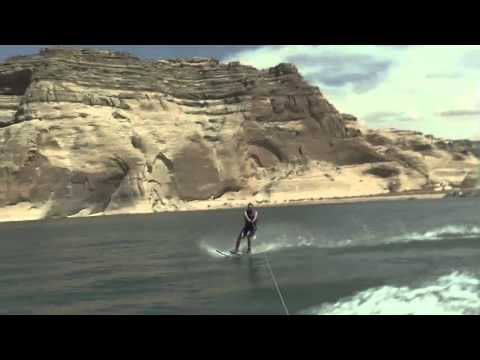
(434, 89)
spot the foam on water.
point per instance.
(282, 242)
(454, 294)
(464, 231)
(261, 246)
(268, 243)
(210, 250)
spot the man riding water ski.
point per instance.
(249, 228)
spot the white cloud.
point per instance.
(419, 82)
(362, 72)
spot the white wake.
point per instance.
(453, 294)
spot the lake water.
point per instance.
(392, 257)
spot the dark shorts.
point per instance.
(248, 231)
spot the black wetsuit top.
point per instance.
(250, 215)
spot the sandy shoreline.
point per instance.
(362, 199)
(20, 213)
(330, 201)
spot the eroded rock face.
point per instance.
(444, 165)
(93, 131)
(384, 171)
(100, 130)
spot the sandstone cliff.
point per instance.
(87, 132)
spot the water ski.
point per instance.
(230, 253)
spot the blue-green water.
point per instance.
(401, 257)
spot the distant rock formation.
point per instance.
(87, 131)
